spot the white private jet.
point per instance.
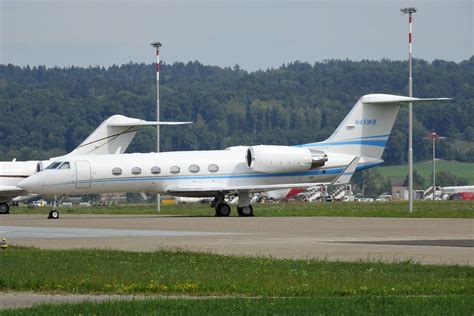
(357, 144)
(113, 136)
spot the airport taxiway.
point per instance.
(429, 241)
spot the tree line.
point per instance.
(47, 112)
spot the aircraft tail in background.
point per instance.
(114, 135)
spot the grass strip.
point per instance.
(443, 305)
(423, 209)
(203, 274)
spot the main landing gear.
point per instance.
(244, 208)
(4, 208)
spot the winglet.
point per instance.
(346, 174)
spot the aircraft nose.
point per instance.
(31, 184)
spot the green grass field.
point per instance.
(447, 305)
(179, 272)
(460, 169)
(234, 285)
(447, 209)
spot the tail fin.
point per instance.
(112, 136)
(365, 130)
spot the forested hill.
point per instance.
(46, 112)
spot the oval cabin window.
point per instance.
(175, 170)
(136, 170)
(194, 168)
(116, 171)
(213, 168)
(155, 170)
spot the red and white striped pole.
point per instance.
(434, 137)
(157, 46)
(410, 12)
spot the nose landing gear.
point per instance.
(54, 213)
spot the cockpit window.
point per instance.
(65, 166)
(54, 165)
(59, 165)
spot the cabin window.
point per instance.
(194, 168)
(65, 166)
(175, 170)
(116, 171)
(213, 168)
(136, 170)
(155, 170)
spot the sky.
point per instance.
(253, 34)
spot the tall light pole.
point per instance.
(410, 12)
(157, 46)
(434, 137)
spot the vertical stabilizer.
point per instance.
(365, 130)
(113, 136)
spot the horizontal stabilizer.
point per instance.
(391, 99)
(174, 123)
(145, 123)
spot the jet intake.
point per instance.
(39, 167)
(269, 159)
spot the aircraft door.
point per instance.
(83, 175)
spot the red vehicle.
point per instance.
(463, 196)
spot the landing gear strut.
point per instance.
(244, 209)
(54, 213)
(222, 209)
(4, 208)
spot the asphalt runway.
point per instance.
(428, 241)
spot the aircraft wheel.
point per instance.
(223, 210)
(53, 214)
(4, 208)
(245, 211)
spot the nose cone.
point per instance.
(31, 184)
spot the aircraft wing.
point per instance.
(345, 176)
(210, 191)
(7, 193)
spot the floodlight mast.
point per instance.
(434, 137)
(410, 11)
(157, 46)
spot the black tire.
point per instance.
(4, 208)
(245, 211)
(223, 210)
(53, 214)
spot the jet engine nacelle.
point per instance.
(265, 158)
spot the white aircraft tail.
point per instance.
(365, 130)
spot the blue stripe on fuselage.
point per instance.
(376, 143)
(336, 170)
